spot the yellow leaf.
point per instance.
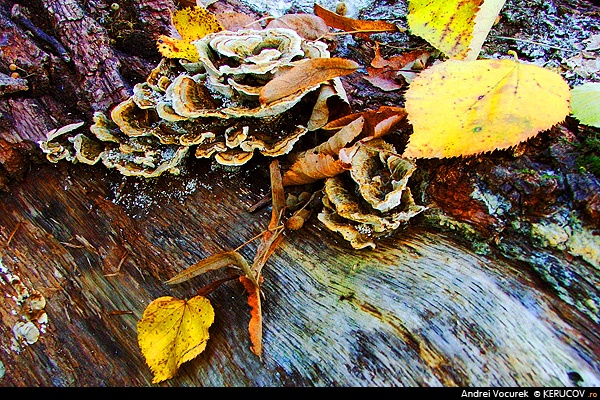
(173, 331)
(446, 25)
(459, 108)
(484, 20)
(177, 48)
(191, 23)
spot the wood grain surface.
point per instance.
(466, 295)
(420, 309)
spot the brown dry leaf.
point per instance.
(308, 26)
(269, 242)
(212, 263)
(311, 168)
(235, 21)
(382, 121)
(386, 73)
(363, 27)
(341, 139)
(273, 236)
(377, 122)
(322, 161)
(339, 123)
(306, 75)
(255, 324)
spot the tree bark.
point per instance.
(482, 290)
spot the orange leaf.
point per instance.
(308, 26)
(255, 324)
(353, 25)
(377, 122)
(341, 139)
(307, 75)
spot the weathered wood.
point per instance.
(421, 309)
(426, 307)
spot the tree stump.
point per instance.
(483, 290)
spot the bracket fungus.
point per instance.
(373, 199)
(212, 104)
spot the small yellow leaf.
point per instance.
(173, 331)
(194, 23)
(446, 25)
(177, 48)
(191, 23)
(460, 108)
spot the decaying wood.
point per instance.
(421, 309)
(488, 306)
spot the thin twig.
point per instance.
(14, 232)
(532, 42)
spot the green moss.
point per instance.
(589, 160)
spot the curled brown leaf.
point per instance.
(212, 263)
(353, 25)
(308, 26)
(305, 76)
(322, 161)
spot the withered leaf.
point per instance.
(341, 139)
(311, 168)
(377, 122)
(386, 73)
(212, 263)
(308, 26)
(235, 21)
(384, 120)
(322, 161)
(255, 324)
(353, 25)
(273, 236)
(307, 75)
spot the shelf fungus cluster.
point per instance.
(373, 199)
(211, 106)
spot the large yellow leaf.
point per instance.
(458, 28)
(191, 23)
(459, 108)
(173, 331)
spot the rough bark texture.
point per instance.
(497, 285)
